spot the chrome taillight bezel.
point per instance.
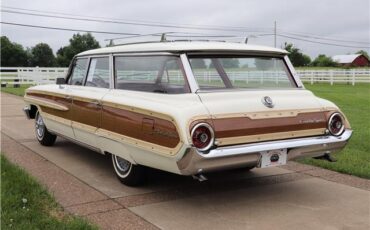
(212, 138)
(330, 121)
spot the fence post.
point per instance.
(353, 77)
(37, 75)
(19, 76)
(311, 77)
(331, 77)
(312, 74)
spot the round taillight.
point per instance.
(202, 136)
(335, 124)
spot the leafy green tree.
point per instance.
(198, 63)
(324, 61)
(77, 44)
(263, 63)
(363, 52)
(42, 55)
(230, 62)
(296, 56)
(12, 54)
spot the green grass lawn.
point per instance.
(25, 204)
(354, 101)
(16, 91)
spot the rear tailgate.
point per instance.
(242, 117)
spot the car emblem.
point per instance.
(267, 101)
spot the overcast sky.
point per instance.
(332, 19)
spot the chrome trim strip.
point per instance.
(111, 72)
(293, 72)
(271, 145)
(44, 102)
(154, 53)
(189, 73)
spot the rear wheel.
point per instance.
(42, 133)
(128, 173)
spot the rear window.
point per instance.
(228, 72)
(157, 74)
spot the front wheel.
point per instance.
(128, 173)
(42, 133)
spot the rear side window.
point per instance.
(157, 74)
(78, 72)
(98, 74)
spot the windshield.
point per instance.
(230, 72)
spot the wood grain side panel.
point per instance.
(56, 99)
(86, 113)
(143, 127)
(244, 126)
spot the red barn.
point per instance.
(352, 60)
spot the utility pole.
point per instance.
(275, 34)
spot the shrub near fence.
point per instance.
(37, 76)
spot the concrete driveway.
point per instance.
(293, 197)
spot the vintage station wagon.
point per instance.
(187, 108)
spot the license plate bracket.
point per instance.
(273, 158)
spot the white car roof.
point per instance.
(178, 46)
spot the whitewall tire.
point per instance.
(42, 134)
(128, 173)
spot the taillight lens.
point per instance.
(202, 136)
(335, 124)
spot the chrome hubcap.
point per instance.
(40, 126)
(122, 164)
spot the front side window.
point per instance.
(157, 74)
(235, 72)
(98, 74)
(78, 72)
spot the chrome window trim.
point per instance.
(131, 53)
(111, 72)
(146, 54)
(88, 68)
(72, 66)
(189, 73)
(293, 72)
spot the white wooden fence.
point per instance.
(30, 75)
(37, 76)
(335, 76)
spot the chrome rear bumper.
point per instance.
(195, 162)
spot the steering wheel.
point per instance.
(97, 81)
